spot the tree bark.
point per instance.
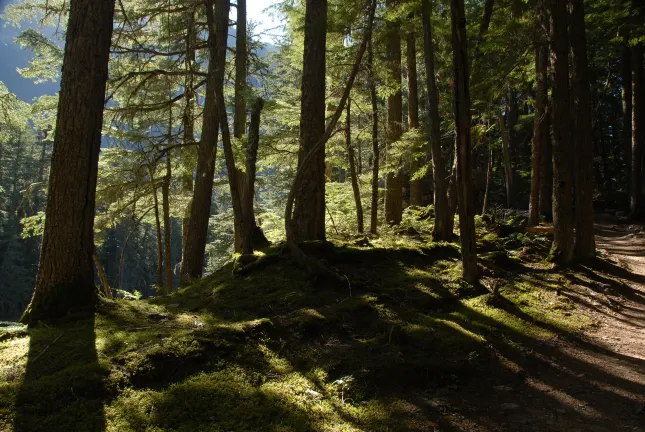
(416, 186)
(585, 248)
(393, 181)
(239, 123)
(636, 190)
(563, 242)
(165, 194)
(102, 276)
(258, 240)
(160, 248)
(196, 232)
(489, 177)
(540, 123)
(375, 149)
(352, 169)
(443, 227)
(626, 79)
(463, 121)
(309, 212)
(65, 280)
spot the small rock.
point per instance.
(509, 406)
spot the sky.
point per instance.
(13, 56)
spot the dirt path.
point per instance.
(594, 382)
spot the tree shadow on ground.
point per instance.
(63, 386)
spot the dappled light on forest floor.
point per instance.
(404, 345)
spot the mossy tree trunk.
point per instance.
(65, 280)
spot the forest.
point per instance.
(372, 215)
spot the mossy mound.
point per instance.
(273, 349)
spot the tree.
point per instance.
(463, 121)
(540, 123)
(443, 227)
(638, 114)
(197, 228)
(352, 167)
(393, 185)
(585, 248)
(309, 211)
(375, 148)
(416, 184)
(563, 246)
(65, 281)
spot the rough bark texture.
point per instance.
(540, 123)
(636, 190)
(309, 211)
(416, 186)
(585, 248)
(196, 232)
(563, 246)
(65, 280)
(375, 149)
(462, 141)
(352, 169)
(443, 226)
(258, 240)
(393, 185)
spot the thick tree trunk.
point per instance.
(196, 232)
(585, 248)
(563, 242)
(375, 149)
(309, 211)
(258, 239)
(508, 169)
(638, 111)
(443, 226)
(65, 280)
(393, 181)
(416, 186)
(540, 124)
(352, 169)
(463, 141)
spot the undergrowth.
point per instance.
(272, 349)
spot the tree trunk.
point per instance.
(585, 248)
(636, 190)
(65, 280)
(416, 185)
(563, 242)
(309, 211)
(508, 169)
(463, 121)
(258, 240)
(393, 185)
(239, 123)
(540, 123)
(160, 248)
(375, 149)
(546, 170)
(626, 80)
(489, 177)
(165, 193)
(102, 276)
(443, 226)
(196, 232)
(352, 169)
(188, 154)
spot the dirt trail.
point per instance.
(591, 382)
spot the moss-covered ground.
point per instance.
(273, 349)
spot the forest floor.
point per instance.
(403, 345)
